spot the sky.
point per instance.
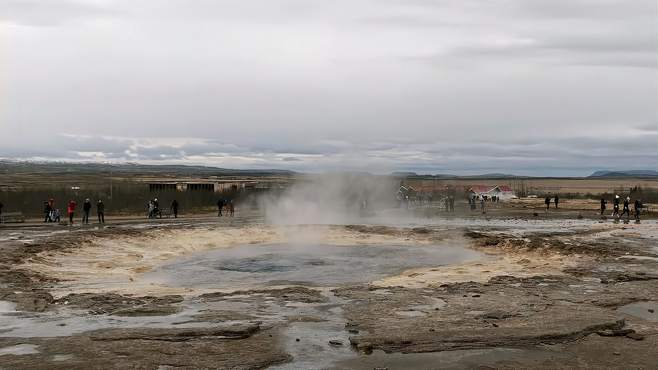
(528, 87)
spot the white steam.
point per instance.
(331, 199)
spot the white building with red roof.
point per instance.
(503, 192)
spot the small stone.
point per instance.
(431, 329)
(616, 353)
(651, 310)
(353, 331)
(296, 339)
(335, 342)
(475, 295)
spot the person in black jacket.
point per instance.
(46, 211)
(86, 208)
(626, 211)
(637, 208)
(174, 208)
(220, 206)
(100, 211)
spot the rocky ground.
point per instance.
(547, 294)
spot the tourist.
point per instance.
(46, 211)
(54, 215)
(556, 200)
(149, 208)
(603, 203)
(156, 208)
(627, 210)
(86, 209)
(547, 201)
(231, 208)
(71, 210)
(482, 203)
(1, 205)
(100, 211)
(637, 209)
(220, 206)
(174, 208)
(615, 207)
(452, 203)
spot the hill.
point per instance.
(630, 173)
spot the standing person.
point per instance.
(556, 200)
(231, 208)
(482, 203)
(615, 207)
(156, 208)
(452, 203)
(220, 206)
(46, 211)
(174, 208)
(547, 201)
(603, 203)
(70, 209)
(1, 205)
(627, 210)
(86, 208)
(637, 208)
(100, 211)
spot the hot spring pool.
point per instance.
(314, 265)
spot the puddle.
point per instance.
(18, 350)
(314, 265)
(308, 342)
(641, 310)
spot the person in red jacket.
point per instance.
(71, 210)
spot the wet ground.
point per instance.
(444, 293)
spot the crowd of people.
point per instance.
(52, 213)
(475, 199)
(227, 206)
(616, 203)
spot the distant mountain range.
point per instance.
(630, 173)
(52, 168)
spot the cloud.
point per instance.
(377, 85)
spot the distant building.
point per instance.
(209, 186)
(503, 192)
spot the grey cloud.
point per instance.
(315, 85)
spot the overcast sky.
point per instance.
(536, 87)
